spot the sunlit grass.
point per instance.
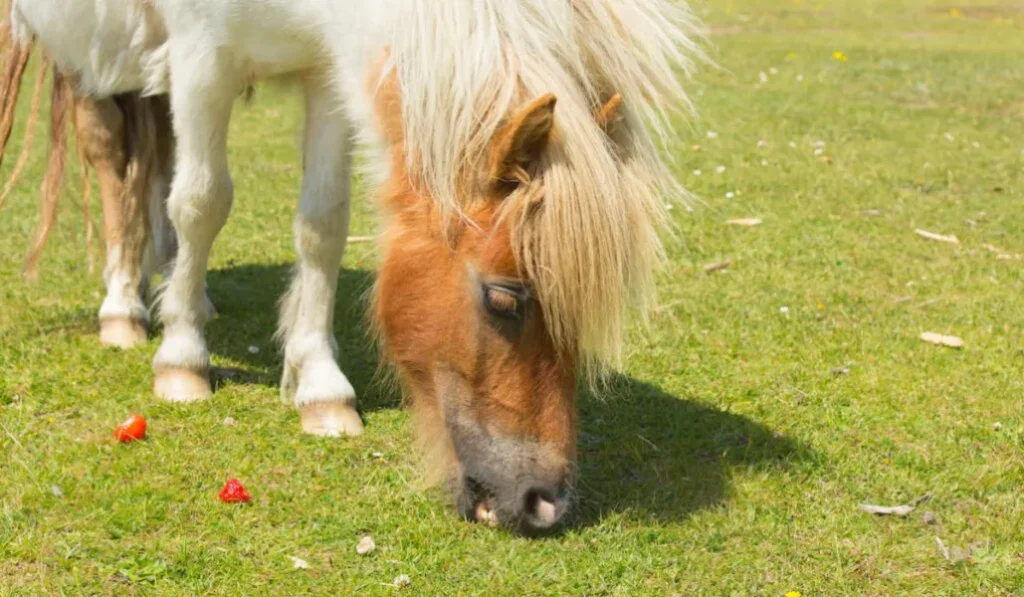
(764, 403)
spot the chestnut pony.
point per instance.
(522, 193)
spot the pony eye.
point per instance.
(501, 302)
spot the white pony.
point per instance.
(456, 98)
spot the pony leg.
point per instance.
(312, 378)
(163, 242)
(202, 94)
(100, 130)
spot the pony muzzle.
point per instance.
(515, 483)
(530, 507)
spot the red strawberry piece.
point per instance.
(133, 428)
(234, 492)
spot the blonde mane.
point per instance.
(592, 246)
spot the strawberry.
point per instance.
(133, 428)
(233, 492)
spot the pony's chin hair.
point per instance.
(439, 465)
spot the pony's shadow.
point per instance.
(642, 451)
(247, 298)
(646, 453)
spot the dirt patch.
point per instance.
(18, 574)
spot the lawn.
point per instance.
(766, 401)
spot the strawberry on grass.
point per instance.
(133, 428)
(233, 492)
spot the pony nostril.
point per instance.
(545, 511)
(543, 508)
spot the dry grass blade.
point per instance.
(361, 239)
(939, 237)
(953, 555)
(714, 267)
(748, 222)
(901, 510)
(943, 340)
(999, 253)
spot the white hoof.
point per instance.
(122, 332)
(181, 385)
(330, 419)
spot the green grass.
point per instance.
(728, 460)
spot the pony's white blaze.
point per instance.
(462, 66)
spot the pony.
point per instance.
(127, 141)
(523, 195)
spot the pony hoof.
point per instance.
(330, 419)
(181, 385)
(121, 332)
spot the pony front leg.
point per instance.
(200, 200)
(312, 378)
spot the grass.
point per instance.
(729, 459)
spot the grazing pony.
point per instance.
(127, 141)
(522, 192)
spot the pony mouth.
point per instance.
(486, 512)
(539, 514)
(479, 504)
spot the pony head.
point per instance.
(524, 201)
(463, 321)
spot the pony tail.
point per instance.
(10, 88)
(60, 106)
(30, 126)
(140, 172)
(83, 173)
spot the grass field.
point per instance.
(762, 406)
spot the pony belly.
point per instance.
(111, 46)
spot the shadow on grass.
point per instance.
(646, 453)
(643, 452)
(247, 297)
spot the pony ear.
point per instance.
(610, 113)
(522, 141)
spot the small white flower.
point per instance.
(720, 169)
(730, 195)
(783, 309)
(254, 349)
(764, 162)
(792, 144)
(229, 421)
(762, 143)
(762, 76)
(799, 78)
(401, 581)
(299, 563)
(819, 144)
(712, 135)
(819, 151)
(669, 207)
(697, 172)
(975, 144)
(773, 70)
(949, 137)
